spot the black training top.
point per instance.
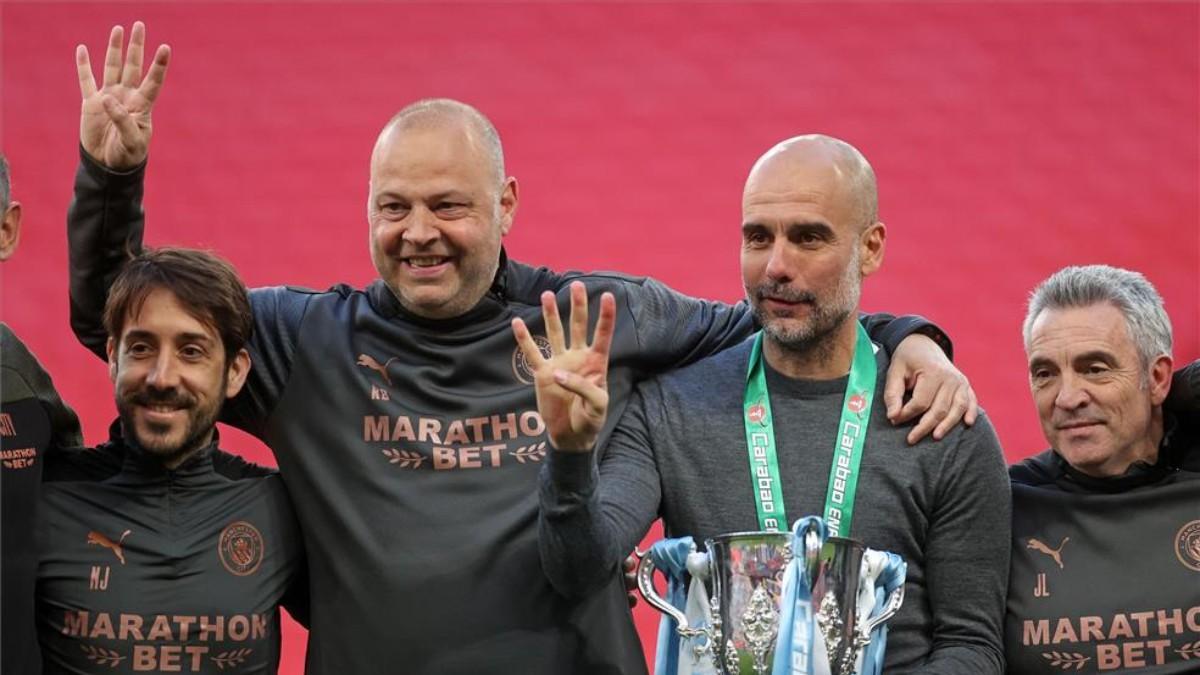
(412, 448)
(33, 420)
(1106, 572)
(166, 571)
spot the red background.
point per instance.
(1010, 139)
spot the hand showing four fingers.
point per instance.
(572, 383)
(114, 122)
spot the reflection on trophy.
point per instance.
(786, 604)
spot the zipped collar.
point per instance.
(1138, 474)
(139, 468)
(492, 305)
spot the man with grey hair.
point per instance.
(681, 450)
(33, 421)
(1106, 531)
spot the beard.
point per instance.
(476, 264)
(163, 440)
(827, 314)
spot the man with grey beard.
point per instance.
(810, 234)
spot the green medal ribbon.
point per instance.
(847, 448)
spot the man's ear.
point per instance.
(509, 197)
(10, 230)
(239, 368)
(871, 246)
(1160, 379)
(111, 348)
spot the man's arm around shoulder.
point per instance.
(105, 227)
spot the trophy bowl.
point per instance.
(745, 582)
(744, 577)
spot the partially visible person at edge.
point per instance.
(33, 420)
(810, 235)
(418, 503)
(167, 565)
(1106, 523)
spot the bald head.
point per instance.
(802, 162)
(439, 205)
(447, 114)
(810, 234)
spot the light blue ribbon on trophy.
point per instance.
(794, 644)
(892, 576)
(882, 573)
(671, 556)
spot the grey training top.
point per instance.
(679, 452)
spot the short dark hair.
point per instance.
(204, 283)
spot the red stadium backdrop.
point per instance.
(1010, 139)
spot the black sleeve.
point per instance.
(591, 517)
(674, 329)
(1184, 396)
(105, 228)
(278, 314)
(296, 599)
(22, 375)
(889, 331)
(1183, 403)
(83, 464)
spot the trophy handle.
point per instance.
(645, 584)
(894, 600)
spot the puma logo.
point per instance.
(1055, 553)
(98, 539)
(368, 362)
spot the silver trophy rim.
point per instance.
(748, 533)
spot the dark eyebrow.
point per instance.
(811, 227)
(194, 337)
(135, 334)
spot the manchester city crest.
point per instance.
(240, 548)
(1187, 545)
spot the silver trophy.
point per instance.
(745, 579)
(839, 595)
